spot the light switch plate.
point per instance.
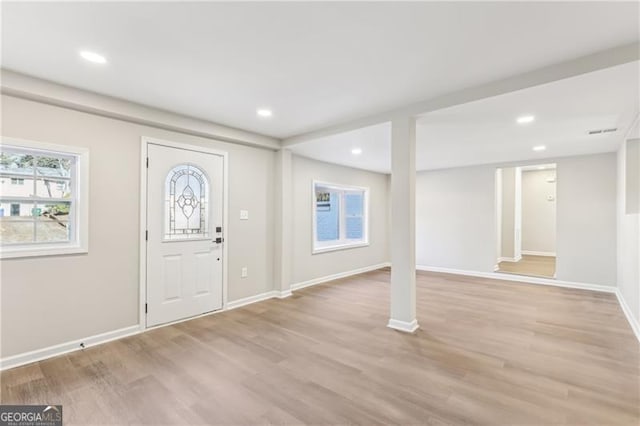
(244, 214)
(244, 272)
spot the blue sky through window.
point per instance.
(328, 218)
(353, 212)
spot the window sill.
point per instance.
(40, 251)
(343, 246)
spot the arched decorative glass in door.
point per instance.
(187, 198)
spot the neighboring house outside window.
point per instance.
(339, 217)
(43, 199)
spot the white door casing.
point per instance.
(184, 212)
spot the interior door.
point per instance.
(184, 240)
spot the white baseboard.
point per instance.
(520, 278)
(539, 253)
(258, 298)
(509, 259)
(283, 294)
(635, 324)
(63, 348)
(303, 284)
(251, 299)
(407, 327)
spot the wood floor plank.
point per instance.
(537, 266)
(487, 352)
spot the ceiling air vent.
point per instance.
(600, 131)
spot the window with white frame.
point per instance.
(43, 199)
(340, 217)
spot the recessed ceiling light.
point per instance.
(356, 151)
(93, 57)
(539, 148)
(262, 112)
(525, 119)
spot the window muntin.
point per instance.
(186, 205)
(39, 199)
(339, 217)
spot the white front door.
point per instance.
(184, 220)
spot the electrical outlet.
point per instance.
(244, 272)
(244, 214)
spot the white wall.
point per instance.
(628, 231)
(539, 213)
(456, 219)
(586, 219)
(307, 266)
(52, 300)
(632, 176)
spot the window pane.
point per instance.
(53, 166)
(52, 222)
(51, 230)
(327, 215)
(16, 174)
(16, 164)
(17, 222)
(14, 231)
(54, 211)
(354, 204)
(354, 228)
(51, 188)
(16, 187)
(15, 209)
(354, 207)
(186, 205)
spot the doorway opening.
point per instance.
(526, 220)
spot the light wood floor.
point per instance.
(488, 352)
(536, 266)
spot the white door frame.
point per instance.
(144, 144)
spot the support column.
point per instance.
(403, 225)
(508, 222)
(284, 222)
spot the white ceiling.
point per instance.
(536, 167)
(375, 142)
(486, 131)
(313, 64)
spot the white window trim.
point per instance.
(341, 244)
(80, 241)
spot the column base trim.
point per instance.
(407, 327)
(283, 294)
